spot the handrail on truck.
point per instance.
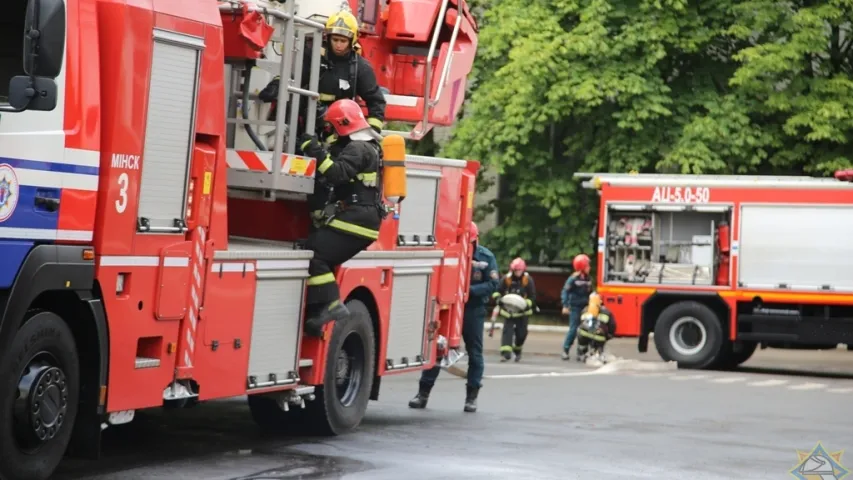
(429, 103)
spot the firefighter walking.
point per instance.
(515, 323)
(484, 281)
(575, 296)
(351, 221)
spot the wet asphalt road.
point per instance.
(542, 419)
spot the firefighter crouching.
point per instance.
(343, 74)
(484, 281)
(351, 221)
(597, 326)
(515, 319)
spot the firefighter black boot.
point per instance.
(420, 400)
(333, 311)
(471, 399)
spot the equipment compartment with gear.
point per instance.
(668, 244)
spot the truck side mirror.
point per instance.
(44, 38)
(32, 93)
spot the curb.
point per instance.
(534, 328)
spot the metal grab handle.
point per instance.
(428, 101)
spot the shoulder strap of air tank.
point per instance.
(353, 74)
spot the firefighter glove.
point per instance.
(312, 147)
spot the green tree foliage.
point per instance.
(701, 86)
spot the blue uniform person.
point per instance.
(484, 282)
(575, 296)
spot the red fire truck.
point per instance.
(151, 255)
(714, 265)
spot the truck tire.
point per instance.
(341, 401)
(689, 333)
(42, 368)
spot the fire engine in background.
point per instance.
(147, 260)
(715, 266)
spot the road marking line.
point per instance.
(767, 383)
(540, 375)
(687, 377)
(841, 390)
(807, 386)
(728, 379)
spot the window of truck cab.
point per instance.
(11, 44)
(666, 244)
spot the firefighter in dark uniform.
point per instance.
(484, 281)
(343, 74)
(575, 296)
(597, 326)
(352, 219)
(519, 282)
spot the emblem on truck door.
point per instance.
(8, 191)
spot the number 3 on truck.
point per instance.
(121, 203)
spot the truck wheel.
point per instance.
(689, 333)
(341, 401)
(39, 393)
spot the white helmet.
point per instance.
(513, 303)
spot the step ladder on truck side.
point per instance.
(252, 171)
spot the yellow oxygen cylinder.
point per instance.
(594, 306)
(394, 168)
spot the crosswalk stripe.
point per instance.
(688, 377)
(728, 379)
(768, 383)
(841, 390)
(807, 386)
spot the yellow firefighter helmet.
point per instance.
(344, 24)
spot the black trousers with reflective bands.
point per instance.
(331, 248)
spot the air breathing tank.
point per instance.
(394, 168)
(723, 253)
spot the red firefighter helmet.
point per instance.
(346, 117)
(518, 265)
(581, 262)
(474, 232)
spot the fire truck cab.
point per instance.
(151, 256)
(714, 266)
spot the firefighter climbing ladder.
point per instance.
(256, 170)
